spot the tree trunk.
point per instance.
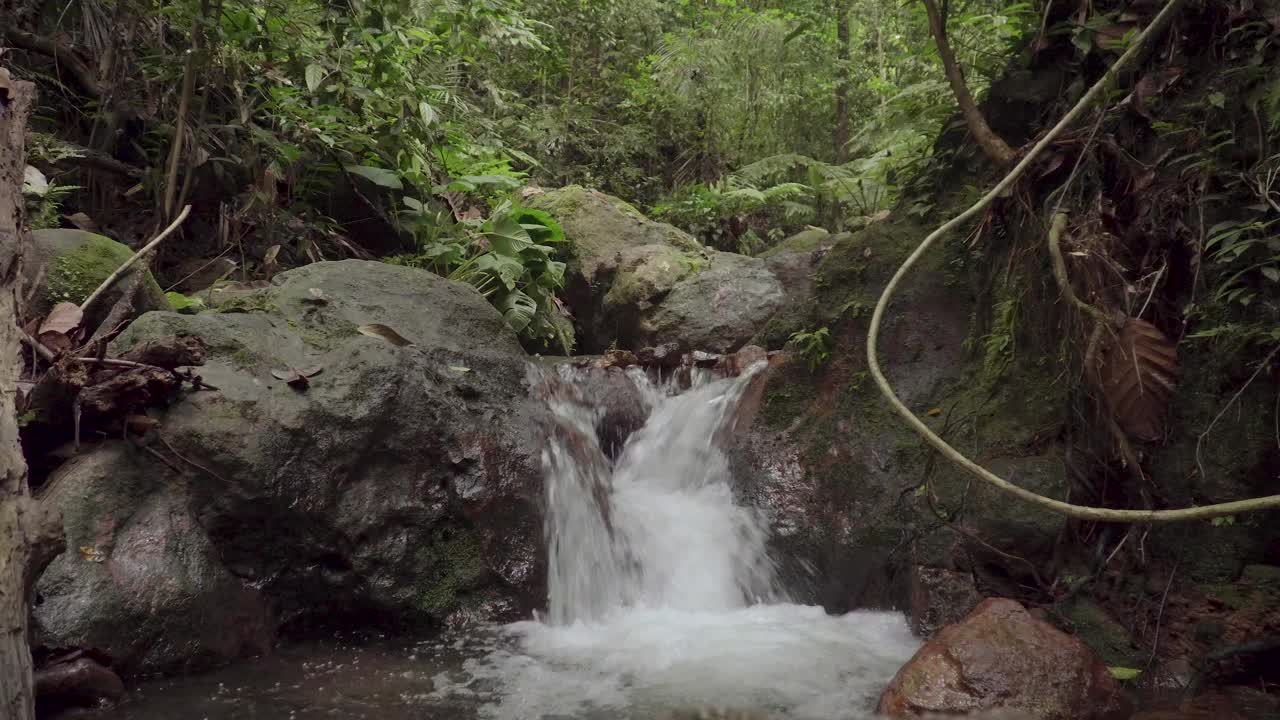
(992, 144)
(843, 54)
(29, 536)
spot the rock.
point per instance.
(599, 227)
(633, 282)
(940, 597)
(71, 264)
(809, 240)
(400, 488)
(720, 308)
(666, 355)
(1000, 657)
(80, 683)
(140, 578)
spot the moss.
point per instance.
(803, 241)
(788, 395)
(258, 302)
(76, 273)
(452, 564)
(244, 359)
(653, 276)
(1103, 634)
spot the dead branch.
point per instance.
(115, 276)
(64, 56)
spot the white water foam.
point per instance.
(662, 593)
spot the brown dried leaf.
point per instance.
(379, 330)
(64, 318)
(269, 257)
(1138, 378)
(1152, 85)
(56, 342)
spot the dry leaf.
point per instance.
(56, 342)
(935, 412)
(379, 330)
(269, 257)
(64, 318)
(1138, 377)
(83, 222)
(92, 554)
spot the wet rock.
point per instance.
(400, 487)
(78, 683)
(1000, 657)
(666, 356)
(140, 578)
(621, 408)
(940, 597)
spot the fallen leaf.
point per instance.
(459, 369)
(56, 342)
(269, 257)
(64, 318)
(935, 412)
(92, 554)
(311, 371)
(83, 222)
(379, 330)
(866, 253)
(295, 378)
(1138, 377)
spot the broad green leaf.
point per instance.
(518, 309)
(428, 113)
(378, 176)
(185, 304)
(509, 238)
(315, 75)
(507, 269)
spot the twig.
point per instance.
(1155, 643)
(115, 276)
(45, 353)
(188, 461)
(1266, 362)
(162, 458)
(1082, 512)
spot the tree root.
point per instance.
(1136, 49)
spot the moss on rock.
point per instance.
(77, 262)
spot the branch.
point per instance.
(992, 144)
(111, 280)
(1082, 512)
(84, 76)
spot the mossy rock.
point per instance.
(75, 263)
(806, 240)
(1108, 639)
(647, 273)
(598, 227)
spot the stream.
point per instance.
(662, 599)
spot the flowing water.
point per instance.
(662, 598)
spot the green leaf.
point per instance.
(1124, 673)
(1218, 100)
(185, 304)
(509, 238)
(1272, 273)
(518, 310)
(541, 226)
(378, 176)
(428, 113)
(315, 75)
(507, 269)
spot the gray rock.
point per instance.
(716, 306)
(401, 486)
(633, 282)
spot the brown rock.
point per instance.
(80, 683)
(940, 597)
(1000, 657)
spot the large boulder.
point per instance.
(633, 282)
(1000, 657)
(68, 265)
(399, 486)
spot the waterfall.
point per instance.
(661, 592)
(660, 527)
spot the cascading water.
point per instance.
(662, 593)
